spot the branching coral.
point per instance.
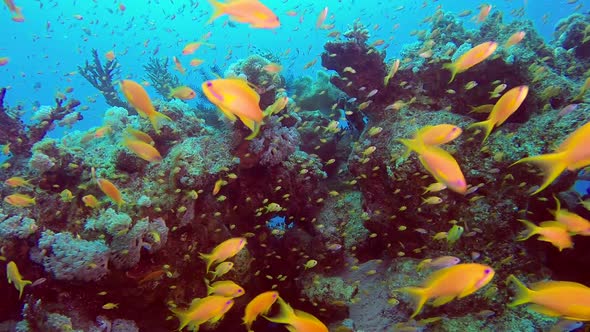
(162, 80)
(358, 33)
(22, 136)
(101, 76)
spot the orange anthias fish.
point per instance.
(432, 135)
(246, 11)
(20, 200)
(143, 150)
(483, 13)
(139, 135)
(441, 165)
(549, 231)
(516, 38)
(4, 60)
(273, 68)
(182, 92)
(565, 299)
(234, 97)
(572, 154)
(178, 65)
(449, 283)
(209, 309)
(225, 288)
(472, 57)
(110, 55)
(504, 107)
(223, 251)
(260, 305)
(140, 100)
(392, 70)
(297, 320)
(192, 47)
(16, 181)
(17, 14)
(321, 18)
(109, 189)
(574, 223)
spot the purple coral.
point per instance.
(275, 143)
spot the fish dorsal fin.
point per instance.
(545, 285)
(303, 314)
(553, 223)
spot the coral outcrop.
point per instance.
(102, 77)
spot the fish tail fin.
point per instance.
(552, 164)
(412, 144)
(155, 119)
(255, 131)
(208, 261)
(557, 206)
(218, 10)
(418, 295)
(453, 68)
(286, 314)
(22, 287)
(523, 294)
(532, 229)
(182, 316)
(487, 125)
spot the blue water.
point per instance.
(51, 43)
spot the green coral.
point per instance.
(319, 94)
(329, 289)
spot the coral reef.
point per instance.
(336, 215)
(102, 77)
(160, 77)
(20, 136)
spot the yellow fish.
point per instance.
(572, 155)
(14, 277)
(20, 200)
(182, 92)
(297, 320)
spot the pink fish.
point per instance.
(567, 110)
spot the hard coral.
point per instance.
(275, 143)
(101, 76)
(160, 77)
(70, 258)
(23, 136)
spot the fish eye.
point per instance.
(239, 290)
(486, 271)
(209, 84)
